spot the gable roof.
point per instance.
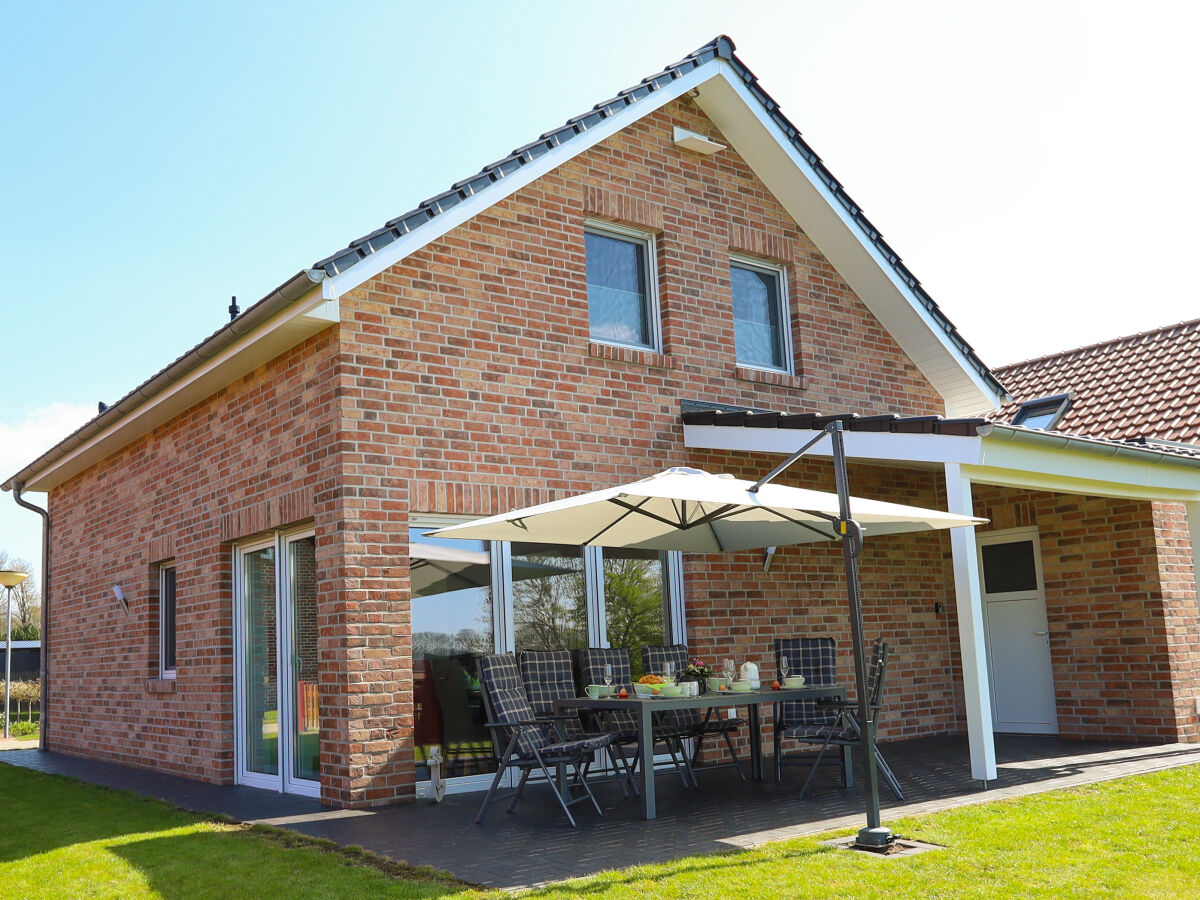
(720, 48)
(729, 94)
(1142, 386)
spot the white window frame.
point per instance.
(283, 782)
(785, 311)
(653, 312)
(163, 568)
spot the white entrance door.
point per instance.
(1018, 639)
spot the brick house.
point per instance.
(673, 277)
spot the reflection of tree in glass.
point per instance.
(439, 645)
(633, 601)
(550, 613)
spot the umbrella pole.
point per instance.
(874, 835)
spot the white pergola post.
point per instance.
(971, 637)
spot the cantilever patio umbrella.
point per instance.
(692, 510)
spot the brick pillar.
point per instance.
(1175, 528)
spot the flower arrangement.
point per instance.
(698, 668)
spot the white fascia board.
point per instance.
(758, 139)
(298, 322)
(378, 262)
(929, 449)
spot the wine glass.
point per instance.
(669, 672)
(608, 674)
(727, 669)
(784, 667)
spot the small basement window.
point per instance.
(1043, 413)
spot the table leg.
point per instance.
(848, 766)
(646, 760)
(755, 743)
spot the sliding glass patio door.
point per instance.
(470, 598)
(275, 632)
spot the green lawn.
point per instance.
(1128, 838)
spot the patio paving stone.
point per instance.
(535, 845)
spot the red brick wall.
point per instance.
(734, 606)
(1181, 625)
(253, 456)
(462, 380)
(1107, 593)
(479, 384)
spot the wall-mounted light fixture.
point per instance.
(768, 558)
(120, 595)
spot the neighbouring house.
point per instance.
(672, 277)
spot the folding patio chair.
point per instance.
(842, 727)
(622, 722)
(816, 660)
(847, 730)
(689, 721)
(550, 676)
(529, 741)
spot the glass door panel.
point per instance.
(305, 723)
(261, 707)
(635, 601)
(452, 626)
(550, 608)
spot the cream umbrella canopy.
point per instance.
(692, 510)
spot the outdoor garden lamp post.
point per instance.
(10, 578)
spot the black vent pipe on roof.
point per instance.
(43, 673)
(234, 310)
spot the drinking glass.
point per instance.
(608, 674)
(784, 667)
(669, 671)
(727, 669)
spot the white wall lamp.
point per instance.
(120, 595)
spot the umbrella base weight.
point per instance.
(878, 839)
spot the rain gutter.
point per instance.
(298, 286)
(43, 672)
(1111, 449)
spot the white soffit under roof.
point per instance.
(1005, 457)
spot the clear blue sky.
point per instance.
(1034, 163)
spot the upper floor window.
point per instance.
(760, 319)
(1043, 413)
(622, 307)
(166, 620)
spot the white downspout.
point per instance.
(972, 641)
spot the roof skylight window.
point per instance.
(1043, 413)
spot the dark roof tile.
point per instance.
(1143, 385)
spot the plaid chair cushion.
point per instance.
(549, 676)
(654, 661)
(816, 660)
(840, 735)
(577, 747)
(508, 701)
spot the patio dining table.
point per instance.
(644, 709)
